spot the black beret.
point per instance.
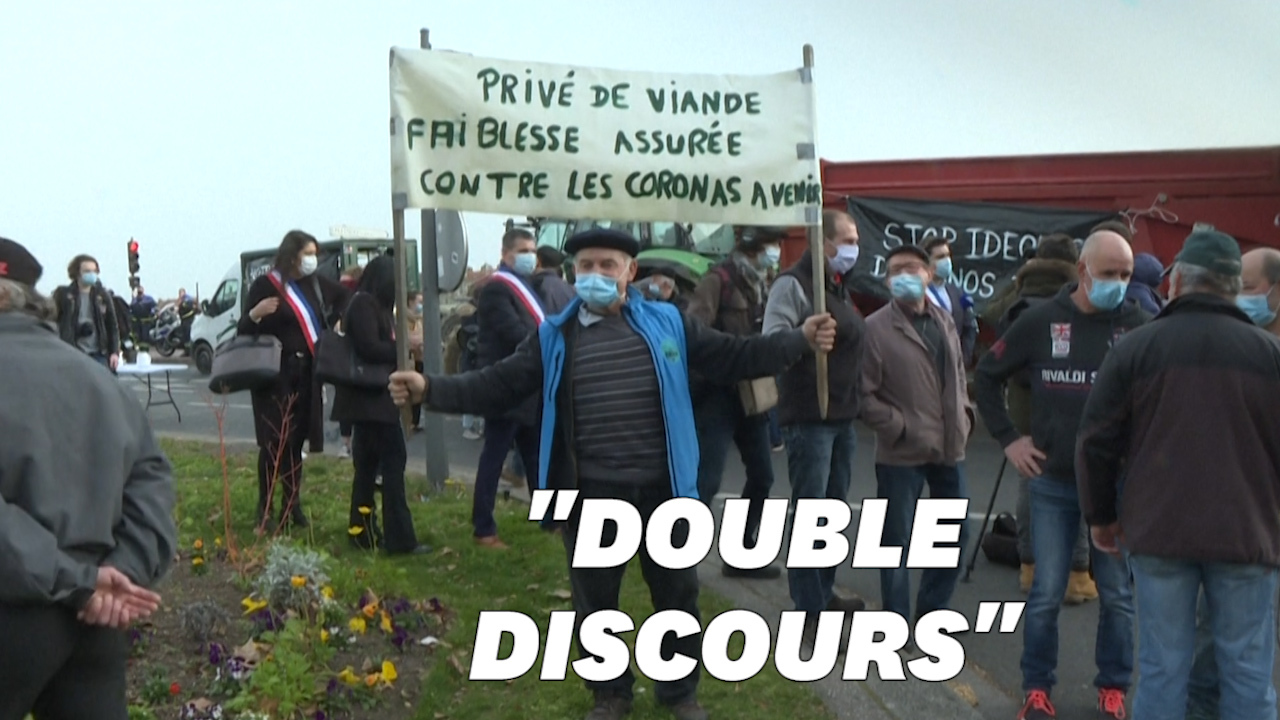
(912, 249)
(17, 264)
(607, 238)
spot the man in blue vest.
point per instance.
(617, 422)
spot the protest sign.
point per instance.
(499, 136)
(989, 242)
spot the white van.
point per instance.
(220, 314)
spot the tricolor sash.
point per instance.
(526, 296)
(302, 309)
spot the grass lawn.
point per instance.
(430, 681)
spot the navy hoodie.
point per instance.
(1061, 349)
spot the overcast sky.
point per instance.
(206, 129)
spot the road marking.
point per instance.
(856, 505)
(237, 406)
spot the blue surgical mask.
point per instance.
(596, 290)
(1257, 307)
(655, 290)
(1106, 294)
(525, 263)
(846, 257)
(89, 278)
(944, 268)
(773, 255)
(907, 286)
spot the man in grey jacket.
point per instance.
(86, 515)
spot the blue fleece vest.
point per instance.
(662, 327)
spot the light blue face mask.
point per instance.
(944, 268)
(1257, 307)
(89, 278)
(597, 291)
(655, 290)
(1106, 294)
(525, 263)
(907, 286)
(772, 255)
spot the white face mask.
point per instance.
(846, 257)
(309, 264)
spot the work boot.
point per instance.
(689, 710)
(1080, 588)
(609, 707)
(1026, 576)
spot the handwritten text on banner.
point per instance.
(498, 136)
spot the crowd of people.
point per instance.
(629, 388)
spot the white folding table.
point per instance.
(144, 373)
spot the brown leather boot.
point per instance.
(1080, 588)
(1027, 574)
(491, 541)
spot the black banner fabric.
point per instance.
(988, 242)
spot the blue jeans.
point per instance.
(1241, 601)
(1055, 525)
(720, 422)
(902, 486)
(1202, 689)
(820, 465)
(775, 430)
(500, 434)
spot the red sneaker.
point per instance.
(1111, 704)
(1037, 707)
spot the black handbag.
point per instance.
(246, 362)
(338, 364)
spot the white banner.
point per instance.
(515, 138)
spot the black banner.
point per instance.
(988, 242)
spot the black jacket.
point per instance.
(67, 303)
(556, 294)
(504, 323)
(1187, 407)
(370, 328)
(496, 388)
(1060, 348)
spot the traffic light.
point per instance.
(133, 257)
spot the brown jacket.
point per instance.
(914, 420)
(741, 311)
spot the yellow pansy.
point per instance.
(217, 542)
(298, 581)
(365, 510)
(348, 677)
(386, 623)
(252, 606)
(389, 671)
(197, 561)
(327, 592)
(354, 530)
(357, 625)
(324, 635)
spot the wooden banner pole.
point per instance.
(819, 261)
(402, 307)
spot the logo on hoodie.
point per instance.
(1060, 334)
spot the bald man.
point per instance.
(1060, 344)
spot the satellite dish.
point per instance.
(451, 250)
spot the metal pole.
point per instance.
(432, 343)
(818, 258)
(973, 559)
(402, 307)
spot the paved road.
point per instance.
(994, 657)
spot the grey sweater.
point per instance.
(83, 482)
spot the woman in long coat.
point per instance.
(295, 304)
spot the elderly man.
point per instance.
(1260, 276)
(1198, 505)
(915, 397)
(820, 451)
(86, 523)
(617, 422)
(1060, 344)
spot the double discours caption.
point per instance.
(714, 138)
(817, 540)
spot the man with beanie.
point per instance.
(508, 310)
(915, 398)
(731, 298)
(1060, 344)
(1148, 274)
(1195, 504)
(820, 452)
(618, 423)
(86, 521)
(1038, 281)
